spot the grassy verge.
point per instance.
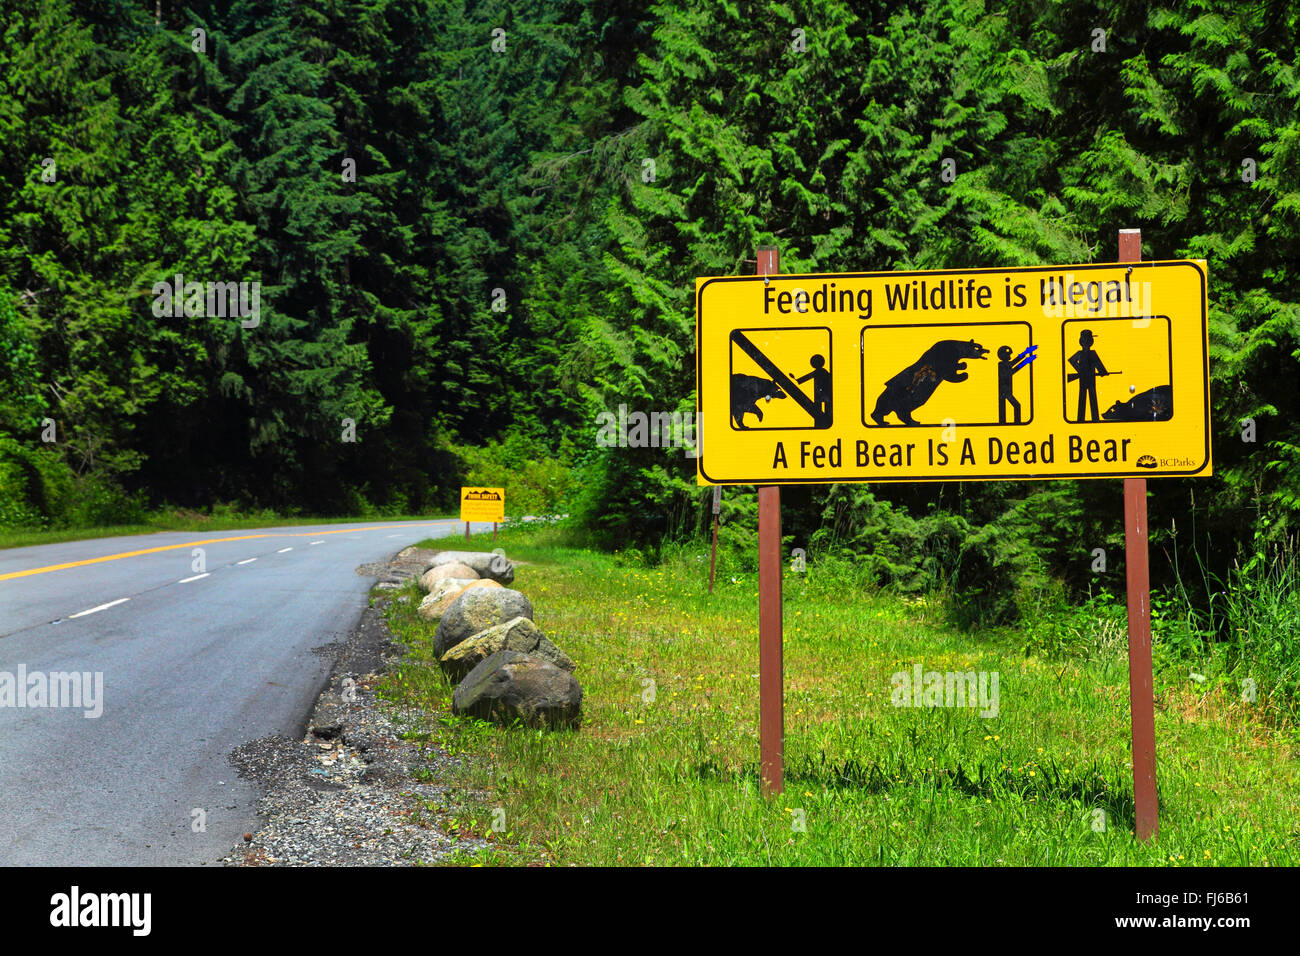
(182, 521)
(664, 769)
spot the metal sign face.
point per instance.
(482, 504)
(1084, 371)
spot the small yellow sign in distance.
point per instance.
(482, 504)
(1083, 371)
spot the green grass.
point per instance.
(673, 779)
(182, 521)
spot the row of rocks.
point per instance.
(506, 668)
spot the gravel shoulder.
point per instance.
(345, 793)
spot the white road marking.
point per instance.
(283, 550)
(318, 542)
(249, 561)
(394, 536)
(195, 578)
(102, 607)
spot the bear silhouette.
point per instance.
(746, 390)
(913, 386)
(1153, 405)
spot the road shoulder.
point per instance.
(347, 792)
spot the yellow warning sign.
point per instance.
(482, 504)
(1085, 371)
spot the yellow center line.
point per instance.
(194, 544)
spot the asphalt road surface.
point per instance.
(195, 661)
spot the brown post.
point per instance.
(466, 530)
(1140, 684)
(713, 554)
(771, 679)
(494, 532)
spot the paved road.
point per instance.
(195, 661)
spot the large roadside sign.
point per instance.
(1082, 371)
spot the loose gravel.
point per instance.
(345, 794)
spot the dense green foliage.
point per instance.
(231, 163)
(517, 252)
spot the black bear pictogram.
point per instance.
(913, 386)
(746, 391)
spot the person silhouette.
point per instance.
(1087, 366)
(1006, 387)
(821, 391)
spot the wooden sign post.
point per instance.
(1140, 683)
(713, 553)
(771, 676)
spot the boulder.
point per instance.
(446, 591)
(519, 634)
(487, 564)
(452, 569)
(511, 685)
(476, 609)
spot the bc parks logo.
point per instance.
(1149, 461)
